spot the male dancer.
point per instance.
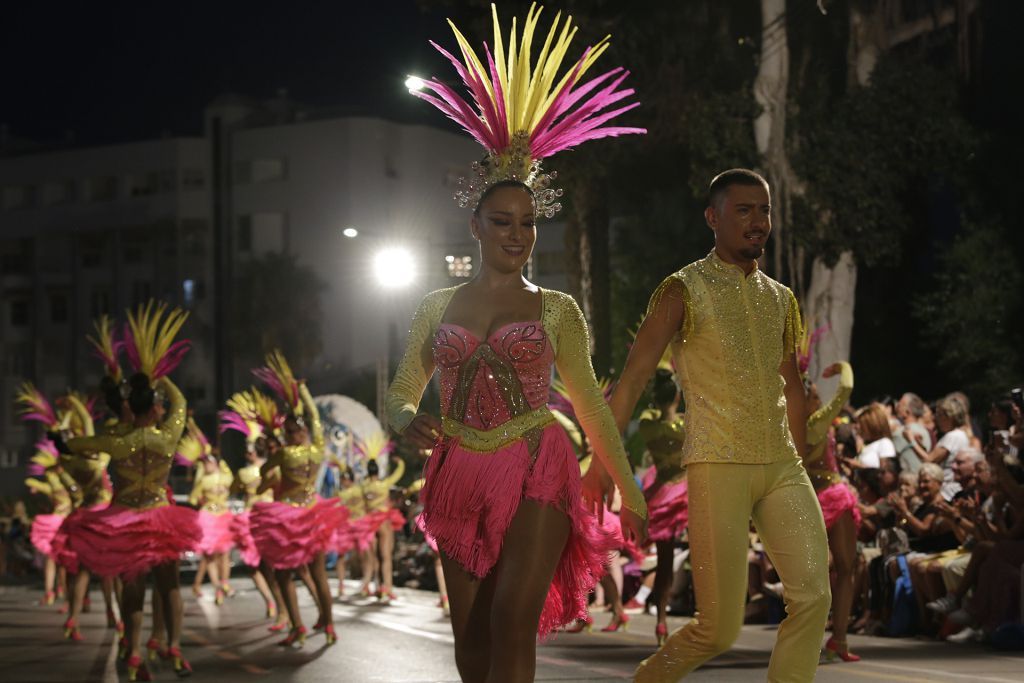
(734, 333)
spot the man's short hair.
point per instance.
(974, 454)
(721, 183)
(915, 405)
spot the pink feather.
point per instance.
(232, 421)
(171, 359)
(34, 469)
(130, 350)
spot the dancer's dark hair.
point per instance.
(665, 389)
(142, 396)
(372, 469)
(111, 391)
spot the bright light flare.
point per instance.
(350, 233)
(414, 83)
(394, 267)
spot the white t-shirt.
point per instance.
(873, 452)
(953, 441)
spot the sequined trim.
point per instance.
(821, 478)
(495, 439)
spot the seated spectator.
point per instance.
(874, 438)
(951, 417)
(929, 532)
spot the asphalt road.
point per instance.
(410, 641)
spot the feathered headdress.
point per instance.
(107, 347)
(374, 446)
(277, 375)
(36, 407)
(243, 416)
(525, 112)
(77, 408)
(808, 342)
(193, 445)
(149, 339)
(46, 457)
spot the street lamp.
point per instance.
(394, 267)
(414, 83)
(350, 232)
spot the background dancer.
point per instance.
(734, 333)
(382, 519)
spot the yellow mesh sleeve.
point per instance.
(174, 421)
(82, 413)
(396, 474)
(114, 444)
(403, 398)
(41, 487)
(674, 289)
(794, 327)
(572, 359)
(316, 429)
(197, 487)
(819, 422)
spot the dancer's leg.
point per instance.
(842, 540)
(291, 600)
(788, 520)
(339, 570)
(49, 579)
(318, 569)
(166, 583)
(386, 534)
(470, 599)
(160, 616)
(720, 503)
(307, 580)
(439, 574)
(134, 597)
(663, 577)
(529, 556)
(197, 584)
(263, 588)
(225, 573)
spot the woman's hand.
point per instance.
(634, 527)
(598, 488)
(832, 370)
(424, 431)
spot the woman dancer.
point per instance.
(49, 480)
(503, 493)
(356, 535)
(210, 491)
(141, 532)
(664, 486)
(839, 504)
(442, 589)
(245, 417)
(382, 519)
(298, 527)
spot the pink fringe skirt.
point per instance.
(241, 532)
(667, 507)
(469, 501)
(44, 530)
(126, 542)
(288, 536)
(612, 526)
(431, 541)
(835, 500)
(355, 535)
(217, 537)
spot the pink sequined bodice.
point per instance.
(485, 383)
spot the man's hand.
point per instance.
(424, 431)
(634, 527)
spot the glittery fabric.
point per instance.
(249, 480)
(357, 533)
(488, 383)
(211, 490)
(300, 464)
(89, 472)
(664, 485)
(723, 499)
(737, 330)
(140, 459)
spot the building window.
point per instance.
(260, 171)
(244, 238)
(19, 197)
(193, 179)
(141, 292)
(99, 302)
(17, 359)
(59, 192)
(134, 250)
(103, 189)
(19, 313)
(167, 181)
(58, 308)
(459, 266)
(193, 236)
(16, 257)
(143, 184)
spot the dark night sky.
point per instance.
(134, 71)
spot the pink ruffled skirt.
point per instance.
(217, 537)
(44, 530)
(431, 541)
(667, 507)
(835, 500)
(127, 542)
(469, 501)
(241, 532)
(355, 535)
(288, 536)
(62, 551)
(373, 521)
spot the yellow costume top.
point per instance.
(211, 490)
(664, 441)
(248, 484)
(300, 464)
(566, 330)
(140, 459)
(821, 469)
(55, 489)
(375, 491)
(87, 469)
(737, 330)
(352, 497)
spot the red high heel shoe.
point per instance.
(271, 610)
(385, 597)
(181, 666)
(332, 636)
(616, 623)
(122, 648)
(279, 626)
(61, 592)
(218, 597)
(661, 633)
(71, 631)
(137, 670)
(838, 648)
(297, 636)
(584, 624)
(49, 597)
(155, 650)
(228, 590)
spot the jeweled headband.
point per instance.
(522, 112)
